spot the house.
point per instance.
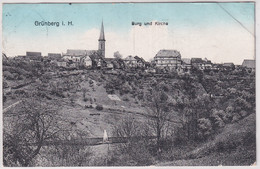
(201, 64)
(168, 59)
(141, 63)
(76, 55)
(130, 61)
(119, 63)
(34, 56)
(61, 63)
(197, 63)
(150, 70)
(186, 63)
(229, 64)
(86, 61)
(249, 64)
(109, 63)
(207, 64)
(54, 55)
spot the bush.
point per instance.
(99, 107)
(204, 127)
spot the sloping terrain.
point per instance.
(234, 145)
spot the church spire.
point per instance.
(102, 41)
(102, 34)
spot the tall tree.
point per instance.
(159, 106)
(26, 129)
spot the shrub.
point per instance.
(99, 107)
(90, 82)
(125, 99)
(205, 127)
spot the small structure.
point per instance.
(105, 137)
(168, 59)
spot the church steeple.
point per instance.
(102, 34)
(101, 41)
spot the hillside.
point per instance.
(166, 118)
(234, 145)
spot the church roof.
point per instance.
(79, 52)
(248, 63)
(168, 53)
(102, 34)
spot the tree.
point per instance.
(205, 127)
(159, 106)
(27, 129)
(117, 55)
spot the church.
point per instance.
(86, 57)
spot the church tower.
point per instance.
(101, 41)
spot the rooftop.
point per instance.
(248, 63)
(168, 53)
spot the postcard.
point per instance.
(128, 84)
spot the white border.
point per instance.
(257, 46)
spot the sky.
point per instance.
(221, 32)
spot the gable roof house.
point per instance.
(168, 58)
(140, 62)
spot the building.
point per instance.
(207, 64)
(228, 66)
(61, 63)
(130, 61)
(78, 55)
(249, 64)
(201, 64)
(34, 56)
(86, 61)
(186, 63)
(197, 63)
(54, 55)
(168, 59)
(141, 63)
(109, 63)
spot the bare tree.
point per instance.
(159, 106)
(26, 129)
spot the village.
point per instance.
(165, 61)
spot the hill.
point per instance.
(234, 145)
